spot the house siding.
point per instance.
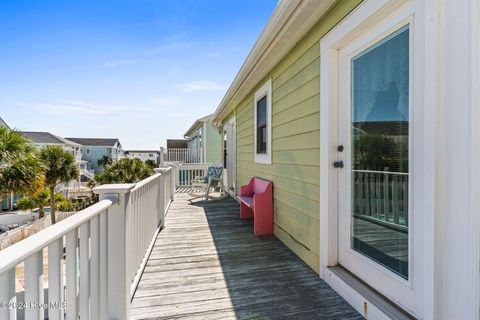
(295, 140)
(213, 144)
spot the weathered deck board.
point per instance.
(206, 264)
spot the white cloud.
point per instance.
(201, 85)
(116, 63)
(82, 108)
(167, 101)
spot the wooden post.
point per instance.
(162, 149)
(118, 284)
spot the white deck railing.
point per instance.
(106, 246)
(183, 155)
(381, 195)
(186, 172)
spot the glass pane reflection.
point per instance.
(380, 122)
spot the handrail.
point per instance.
(144, 182)
(95, 257)
(18, 252)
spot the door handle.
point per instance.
(338, 164)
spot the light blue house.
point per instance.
(94, 149)
(204, 141)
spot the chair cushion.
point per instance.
(213, 172)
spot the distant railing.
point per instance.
(106, 246)
(183, 155)
(381, 195)
(186, 172)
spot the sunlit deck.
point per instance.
(206, 264)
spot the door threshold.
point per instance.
(367, 301)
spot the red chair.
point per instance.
(256, 201)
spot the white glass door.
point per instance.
(375, 240)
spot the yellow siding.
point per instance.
(295, 140)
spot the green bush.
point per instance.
(65, 205)
(26, 204)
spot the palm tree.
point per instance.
(60, 167)
(126, 170)
(21, 170)
(105, 161)
(39, 201)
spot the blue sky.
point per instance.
(139, 70)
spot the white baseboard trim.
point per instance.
(367, 303)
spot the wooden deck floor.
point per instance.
(206, 264)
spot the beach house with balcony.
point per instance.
(44, 139)
(365, 116)
(204, 141)
(94, 149)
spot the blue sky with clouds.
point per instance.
(139, 70)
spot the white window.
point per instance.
(263, 124)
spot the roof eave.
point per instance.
(276, 40)
(196, 125)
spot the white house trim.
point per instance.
(264, 91)
(370, 20)
(446, 71)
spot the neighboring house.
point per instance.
(177, 151)
(144, 155)
(177, 144)
(365, 116)
(43, 139)
(94, 149)
(204, 141)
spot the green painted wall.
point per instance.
(295, 139)
(214, 144)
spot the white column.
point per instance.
(161, 197)
(118, 285)
(457, 210)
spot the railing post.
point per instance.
(161, 194)
(162, 149)
(118, 284)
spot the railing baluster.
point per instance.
(94, 268)
(71, 273)
(84, 290)
(395, 199)
(7, 294)
(34, 286)
(103, 264)
(55, 279)
(405, 199)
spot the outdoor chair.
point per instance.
(203, 187)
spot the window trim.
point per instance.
(265, 90)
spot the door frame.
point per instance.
(231, 151)
(363, 18)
